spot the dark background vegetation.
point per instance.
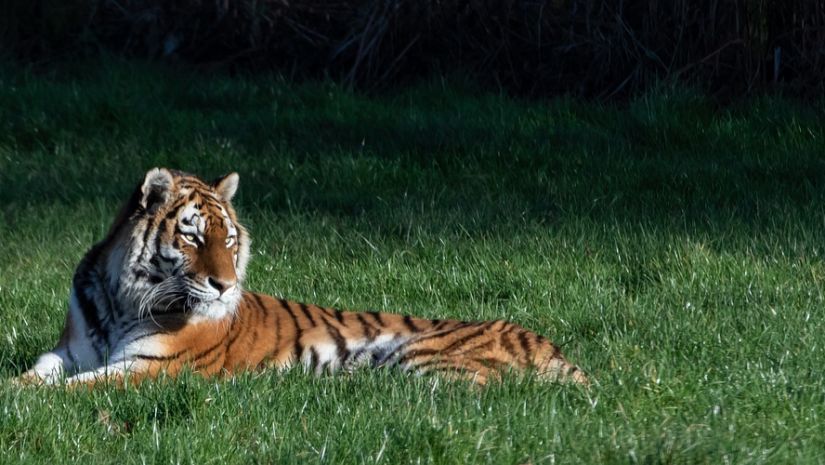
(593, 48)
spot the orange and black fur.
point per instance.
(163, 291)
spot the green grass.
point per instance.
(673, 247)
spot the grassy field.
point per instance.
(673, 248)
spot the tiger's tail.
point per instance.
(482, 351)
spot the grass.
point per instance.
(673, 247)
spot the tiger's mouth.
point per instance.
(174, 297)
(213, 305)
(215, 309)
(211, 295)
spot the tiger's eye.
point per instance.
(230, 241)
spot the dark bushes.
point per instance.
(585, 47)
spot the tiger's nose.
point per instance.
(220, 285)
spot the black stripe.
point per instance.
(159, 358)
(324, 367)
(313, 358)
(149, 334)
(340, 343)
(525, 346)
(90, 314)
(510, 328)
(127, 326)
(207, 351)
(524, 341)
(165, 259)
(339, 315)
(491, 362)
(436, 333)
(508, 346)
(377, 317)
(496, 322)
(72, 358)
(415, 353)
(157, 236)
(326, 311)
(114, 308)
(149, 223)
(476, 348)
(307, 314)
(255, 323)
(369, 331)
(444, 365)
(211, 361)
(277, 322)
(299, 348)
(235, 336)
(464, 339)
(260, 303)
(140, 274)
(408, 322)
(435, 364)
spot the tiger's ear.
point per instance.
(226, 186)
(156, 189)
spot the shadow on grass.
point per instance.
(669, 158)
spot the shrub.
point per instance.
(539, 47)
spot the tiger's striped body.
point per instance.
(162, 292)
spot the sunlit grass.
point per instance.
(672, 247)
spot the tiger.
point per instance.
(163, 292)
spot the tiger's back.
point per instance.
(163, 291)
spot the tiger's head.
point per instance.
(183, 248)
